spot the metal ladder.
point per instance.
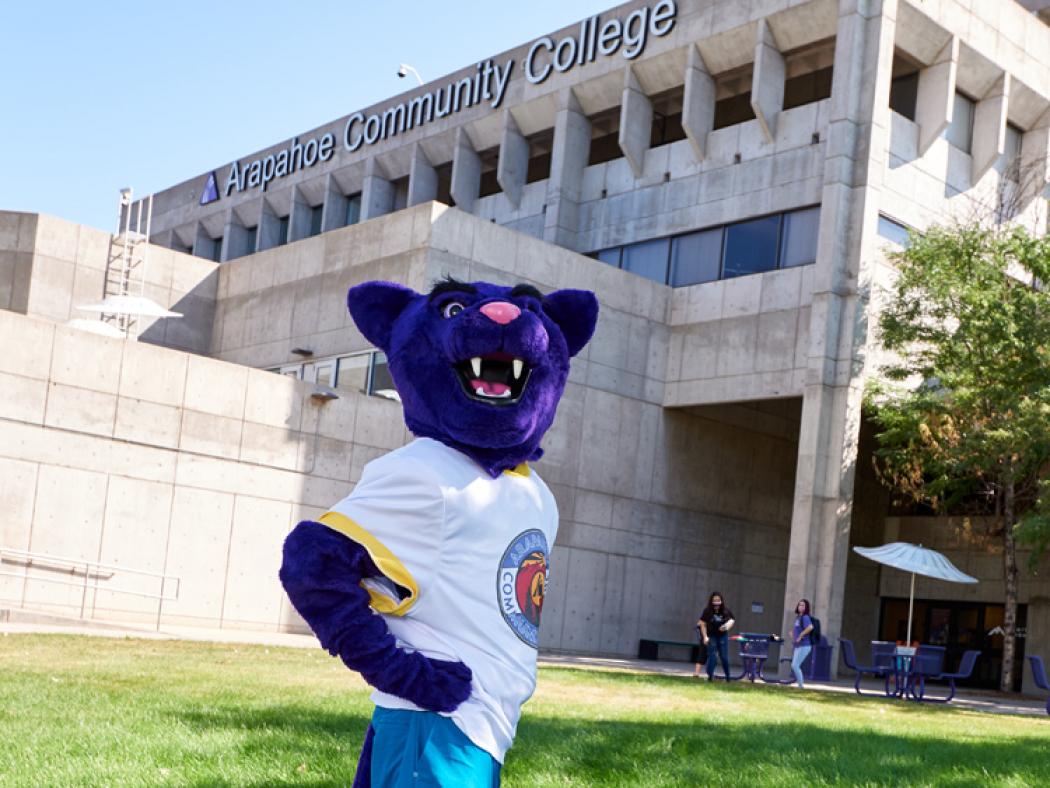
(126, 262)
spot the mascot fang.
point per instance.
(429, 578)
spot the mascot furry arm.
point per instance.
(480, 369)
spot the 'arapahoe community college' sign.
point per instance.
(596, 38)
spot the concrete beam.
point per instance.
(936, 95)
(269, 234)
(989, 128)
(466, 172)
(377, 192)
(571, 149)
(422, 178)
(1035, 159)
(512, 169)
(698, 103)
(204, 245)
(333, 215)
(636, 122)
(235, 239)
(298, 216)
(767, 81)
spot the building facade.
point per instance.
(727, 176)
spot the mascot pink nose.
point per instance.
(500, 312)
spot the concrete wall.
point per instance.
(49, 267)
(158, 460)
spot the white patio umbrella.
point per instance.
(129, 305)
(918, 560)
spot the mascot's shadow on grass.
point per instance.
(429, 578)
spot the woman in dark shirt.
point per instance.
(715, 623)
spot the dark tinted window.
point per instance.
(696, 258)
(315, 218)
(610, 256)
(353, 209)
(807, 88)
(282, 231)
(648, 259)
(733, 110)
(903, 91)
(751, 246)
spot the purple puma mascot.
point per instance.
(429, 578)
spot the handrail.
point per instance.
(92, 570)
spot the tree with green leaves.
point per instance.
(962, 411)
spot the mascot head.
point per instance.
(479, 367)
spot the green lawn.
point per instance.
(96, 711)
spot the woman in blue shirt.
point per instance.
(800, 637)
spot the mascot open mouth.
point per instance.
(495, 378)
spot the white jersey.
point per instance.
(465, 560)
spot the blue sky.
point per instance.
(95, 96)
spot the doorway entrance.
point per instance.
(958, 626)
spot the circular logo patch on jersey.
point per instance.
(522, 583)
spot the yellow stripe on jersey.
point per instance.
(385, 560)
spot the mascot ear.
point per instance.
(375, 306)
(576, 313)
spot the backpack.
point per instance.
(814, 634)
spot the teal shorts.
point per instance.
(417, 748)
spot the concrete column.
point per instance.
(858, 137)
(936, 95)
(989, 128)
(333, 215)
(235, 239)
(572, 145)
(269, 234)
(636, 122)
(466, 172)
(1035, 159)
(767, 81)
(512, 168)
(1037, 642)
(299, 217)
(204, 245)
(698, 103)
(422, 178)
(377, 193)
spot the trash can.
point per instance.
(817, 666)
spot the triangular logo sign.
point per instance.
(211, 191)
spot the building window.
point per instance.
(316, 212)
(605, 137)
(363, 373)
(1012, 153)
(250, 236)
(807, 88)
(904, 90)
(733, 110)
(696, 258)
(489, 185)
(214, 252)
(798, 244)
(960, 131)
(353, 209)
(894, 232)
(783, 240)
(540, 145)
(751, 247)
(647, 258)
(282, 230)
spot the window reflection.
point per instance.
(696, 258)
(751, 247)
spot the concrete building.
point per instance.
(727, 177)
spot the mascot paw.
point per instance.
(431, 684)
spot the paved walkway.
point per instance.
(973, 700)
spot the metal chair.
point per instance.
(849, 658)
(965, 669)
(1039, 675)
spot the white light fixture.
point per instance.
(323, 394)
(404, 69)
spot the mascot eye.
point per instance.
(451, 309)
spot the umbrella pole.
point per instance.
(911, 607)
